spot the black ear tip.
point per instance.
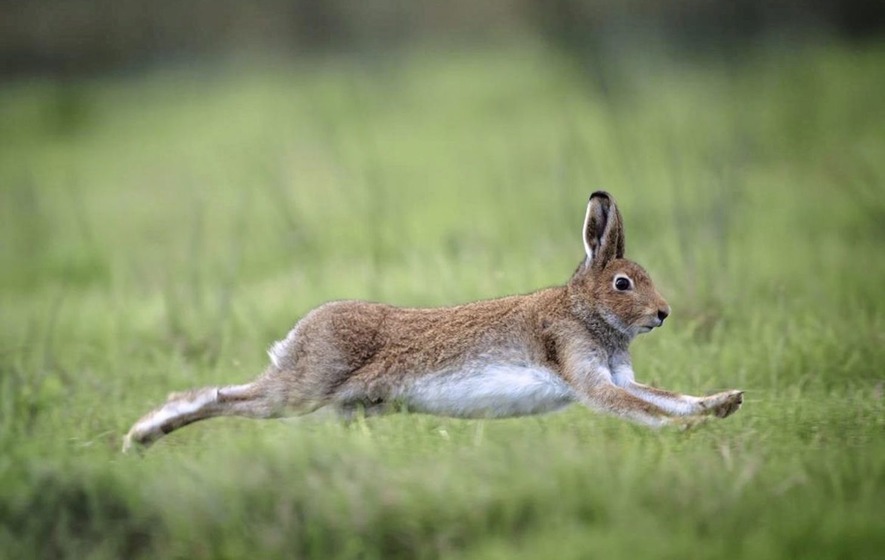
(600, 194)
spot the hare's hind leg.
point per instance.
(259, 399)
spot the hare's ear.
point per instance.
(603, 230)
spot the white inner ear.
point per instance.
(587, 248)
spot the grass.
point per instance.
(158, 231)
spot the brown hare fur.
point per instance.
(505, 357)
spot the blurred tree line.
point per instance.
(74, 37)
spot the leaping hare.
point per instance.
(512, 356)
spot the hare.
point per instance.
(514, 356)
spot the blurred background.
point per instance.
(252, 139)
(86, 37)
(195, 150)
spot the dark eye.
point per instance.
(622, 284)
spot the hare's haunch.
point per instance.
(512, 356)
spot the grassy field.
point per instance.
(158, 231)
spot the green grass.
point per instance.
(158, 232)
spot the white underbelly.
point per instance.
(488, 391)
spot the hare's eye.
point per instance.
(622, 283)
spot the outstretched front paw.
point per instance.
(723, 404)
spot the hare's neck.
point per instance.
(607, 332)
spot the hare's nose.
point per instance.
(663, 313)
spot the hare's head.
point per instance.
(607, 287)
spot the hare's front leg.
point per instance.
(721, 404)
(592, 383)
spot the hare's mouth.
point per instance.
(650, 327)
